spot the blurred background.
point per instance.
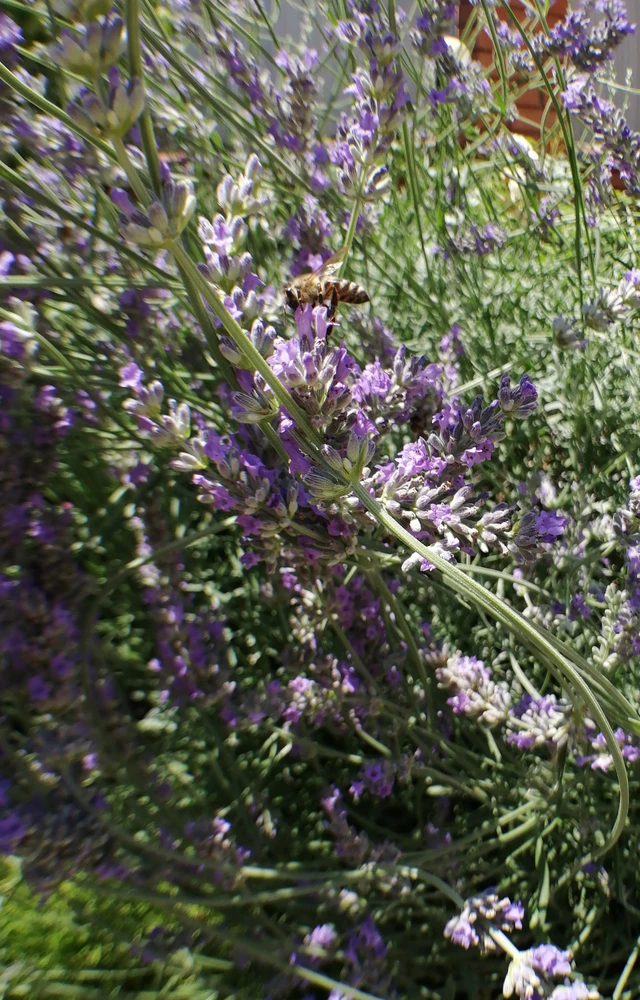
(628, 58)
(289, 16)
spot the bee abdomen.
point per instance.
(350, 292)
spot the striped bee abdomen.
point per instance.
(346, 291)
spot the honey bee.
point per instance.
(324, 288)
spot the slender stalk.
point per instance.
(567, 135)
(132, 175)
(626, 972)
(40, 197)
(136, 68)
(351, 231)
(241, 340)
(413, 184)
(563, 670)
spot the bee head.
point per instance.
(292, 298)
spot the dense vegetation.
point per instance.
(318, 634)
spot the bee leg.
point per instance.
(331, 311)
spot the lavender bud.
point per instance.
(112, 43)
(193, 458)
(321, 487)
(174, 427)
(141, 235)
(180, 204)
(353, 447)
(223, 191)
(206, 232)
(566, 335)
(125, 107)
(332, 458)
(253, 167)
(377, 184)
(231, 353)
(262, 338)
(90, 115)
(518, 402)
(159, 221)
(238, 230)
(94, 49)
(123, 202)
(252, 410)
(70, 53)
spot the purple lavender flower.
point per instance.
(531, 973)
(476, 695)
(576, 990)
(550, 525)
(588, 45)
(323, 936)
(378, 778)
(602, 760)
(10, 36)
(471, 928)
(535, 723)
(518, 402)
(473, 240)
(610, 129)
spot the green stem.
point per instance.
(351, 231)
(626, 972)
(567, 135)
(130, 171)
(563, 670)
(40, 197)
(571, 148)
(498, 50)
(274, 37)
(413, 184)
(136, 68)
(243, 343)
(162, 550)
(208, 330)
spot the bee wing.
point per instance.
(332, 265)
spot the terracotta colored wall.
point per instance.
(533, 103)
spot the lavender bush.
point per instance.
(319, 634)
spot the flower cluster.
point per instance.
(483, 922)
(458, 80)
(307, 616)
(619, 142)
(476, 694)
(588, 45)
(480, 916)
(364, 138)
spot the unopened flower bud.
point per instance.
(321, 487)
(158, 219)
(90, 114)
(90, 51)
(333, 458)
(125, 107)
(181, 202)
(252, 410)
(377, 184)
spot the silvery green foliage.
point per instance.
(321, 624)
